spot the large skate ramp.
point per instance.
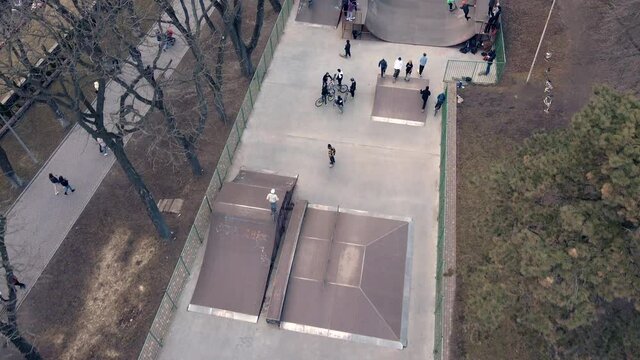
(420, 22)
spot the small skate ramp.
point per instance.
(420, 22)
(242, 237)
(399, 102)
(349, 278)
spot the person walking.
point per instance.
(352, 88)
(425, 93)
(273, 202)
(347, 49)
(54, 180)
(423, 63)
(64, 182)
(397, 66)
(408, 70)
(332, 155)
(452, 5)
(339, 77)
(13, 281)
(382, 64)
(102, 146)
(439, 102)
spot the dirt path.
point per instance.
(591, 42)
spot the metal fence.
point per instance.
(168, 306)
(476, 70)
(438, 331)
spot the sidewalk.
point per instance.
(380, 167)
(39, 221)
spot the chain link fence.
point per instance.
(169, 304)
(477, 70)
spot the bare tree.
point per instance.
(231, 13)
(7, 170)
(9, 327)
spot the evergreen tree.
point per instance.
(565, 236)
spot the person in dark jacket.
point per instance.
(425, 96)
(347, 49)
(325, 79)
(325, 93)
(382, 64)
(64, 182)
(408, 70)
(352, 88)
(54, 180)
(492, 3)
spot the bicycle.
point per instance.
(334, 83)
(321, 102)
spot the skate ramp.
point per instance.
(421, 22)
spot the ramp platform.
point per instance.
(241, 241)
(350, 277)
(320, 12)
(399, 102)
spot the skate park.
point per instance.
(385, 170)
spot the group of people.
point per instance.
(349, 8)
(398, 65)
(165, 39)
(328, 86)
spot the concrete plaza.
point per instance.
(380, 167)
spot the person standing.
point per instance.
(347, 49)
(492, 3)
(423, 63)
(325, 79)
(397, 66)
(489, 59)
(54, 180)
(352, 88)
(273, 202)
(382, 64)
(408, 70)
(102, 146)
(325, 93)
(351, 8)
(332, 155)
(339, 77)
(64, 182)
(425, 96)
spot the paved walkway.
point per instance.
(39, 221)
(383, 168)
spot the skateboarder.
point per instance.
(425, 96)
(273, 201)
(397, 66)
(382, 64)
(332, 155)
(423, 63)
(465, 8)
(452, 5)
(352, 88)
(347, 49)
(408, 70)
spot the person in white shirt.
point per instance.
(397, 66)
(273, 201)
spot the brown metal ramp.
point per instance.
(285, 262)
(242, 237)
(350, 277)
(399, 102)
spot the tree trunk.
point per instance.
(22, 345)
(144, 193)
(246, 66)
(7, 170)
(59, 114)
(10, 328)
(275, 4)
(192, 157)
